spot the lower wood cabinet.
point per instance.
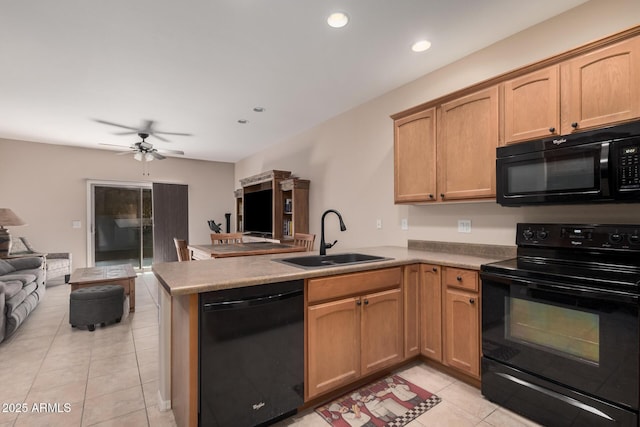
(431, 312)
(354, 327)
(412, 302)
(461, 302)
(450, 317)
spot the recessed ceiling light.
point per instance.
(338, 19)
(258, 109)
(421, 46)
(243, 121)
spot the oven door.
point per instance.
(564, 175)
(583, 338)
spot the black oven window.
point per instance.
(552, 174)
(567, 332)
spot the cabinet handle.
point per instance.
(358, 302)
(366, 302)
(472, 300)
(574, 125)
(431, 196)
(442, 195)
(552, 130)
(459, 279)
(435, 269)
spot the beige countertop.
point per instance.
(183, 278)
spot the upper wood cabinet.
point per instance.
(467, 141)
(601, 87)
(531, 105)
(415, 157)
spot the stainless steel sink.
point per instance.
(320, 261)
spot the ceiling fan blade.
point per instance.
(104, 122)
(172, 133)
(147, 126)
(171, 151)
(157, 155)
(159, 137)
(125, 152)
(125, 133)
(115, 145)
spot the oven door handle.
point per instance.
(610, 294)
(544, 285)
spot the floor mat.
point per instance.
(392, 401)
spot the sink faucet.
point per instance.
(324, 246)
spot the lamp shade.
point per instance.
(8, 218)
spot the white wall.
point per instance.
(46, 185)
(349, 159)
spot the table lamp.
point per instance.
(7, 217)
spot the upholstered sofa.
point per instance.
(58, 264)
(22, 287)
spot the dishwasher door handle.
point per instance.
(250, 302)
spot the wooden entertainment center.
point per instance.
(290, 203)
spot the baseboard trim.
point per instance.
(163, 405)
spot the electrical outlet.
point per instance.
(404, 224)
(464, 226)
(378, 224)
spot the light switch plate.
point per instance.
(464, 226)
(76, 224)
(378, 224)
(404, 224)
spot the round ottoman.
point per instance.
(96, 304)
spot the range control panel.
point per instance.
(600, 236)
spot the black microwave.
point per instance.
(600, 166)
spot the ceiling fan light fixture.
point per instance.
(148, 157)
(138, 156)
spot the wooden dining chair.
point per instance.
(224, 238)
(182, 250)
(306, 240)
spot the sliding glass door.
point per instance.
(122, 231)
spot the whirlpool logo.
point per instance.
(257, 406)
(559, 141)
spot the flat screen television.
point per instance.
(258, 211)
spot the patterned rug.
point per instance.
(392, 401)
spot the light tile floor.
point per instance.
(109, 377)
(105, 378)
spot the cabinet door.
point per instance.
(467, 141)
(462, 336)
(411, 294)
(381, 336)
(601, 87)
(532, 105)
(415, 157)
(333, 345)
(431, 312)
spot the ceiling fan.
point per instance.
(144, 151)
(146, 128)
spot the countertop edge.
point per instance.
(168, 273)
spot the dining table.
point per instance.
(228, 250)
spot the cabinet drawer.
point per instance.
(461, 278)
(344, 285)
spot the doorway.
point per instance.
(122, 224)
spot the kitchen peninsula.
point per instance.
(420, 271)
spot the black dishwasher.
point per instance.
(251, 354)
